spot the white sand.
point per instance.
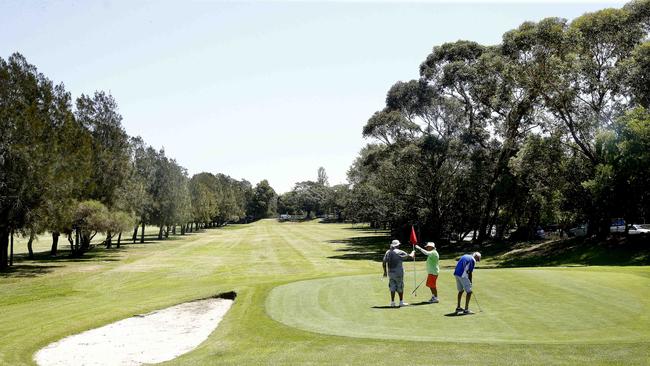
(151, 338)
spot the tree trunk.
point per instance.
(174, 229)
(119, 238)
(142, 234)
(71, 243)
(167, 232)
(29, 245)
(160, 233)
(55, 243)
(109, 239)
(182, 229)
(11, 252)
(135, 234)
(4, 245)
(85, 242)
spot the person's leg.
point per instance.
(400, 290)
(434, 288)
(460, 288)
(467, 286)
(431, 284)
(392, 286)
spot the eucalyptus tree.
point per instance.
(288, 203)
(583, 85)
(263, 203)
(336, 199)
(203, 197)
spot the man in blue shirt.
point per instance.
(463, 274)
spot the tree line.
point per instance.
(71, 169)
(550, 127)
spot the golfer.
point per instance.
(463, 274)
(432, 268)
(393, 260)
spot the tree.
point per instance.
(264, 201)
(30, 108)
(322, 177)
(109, 146)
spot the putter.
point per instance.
(476, 299)
(415, 289)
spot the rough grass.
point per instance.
(42, 301)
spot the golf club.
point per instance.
(418, 286)
(476, 299)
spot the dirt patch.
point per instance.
(149, 338)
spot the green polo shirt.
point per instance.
(432, 262)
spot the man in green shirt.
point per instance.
(432, 268)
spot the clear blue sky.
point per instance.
(255, 90)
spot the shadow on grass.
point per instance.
(384, 307)
(369, 230)
(616, 251)
(27, 271)
(458, 314)
(362, 248)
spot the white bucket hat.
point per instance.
(394, 244)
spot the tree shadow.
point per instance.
(362, 248)
(367, 229)
(63, 255)
(27, 271)
(615, 251)
(368, 248)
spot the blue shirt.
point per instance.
(464, 266)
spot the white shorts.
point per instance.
(463, 284)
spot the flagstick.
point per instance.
(414, 269)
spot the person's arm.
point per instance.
(469, 276)
(383, 265)
(424, 251)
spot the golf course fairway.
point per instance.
(305, 296)
(518, 305)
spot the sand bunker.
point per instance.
(150, 338)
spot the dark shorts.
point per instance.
(396, 282)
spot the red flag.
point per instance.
(414, 239)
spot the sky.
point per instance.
(255, 90)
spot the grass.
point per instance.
(305, 296)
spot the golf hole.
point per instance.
(158, 336)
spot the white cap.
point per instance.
(477, 256)
(394, 244)
(431, 244)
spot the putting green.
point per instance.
(562, 305)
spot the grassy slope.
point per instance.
(42, 302)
